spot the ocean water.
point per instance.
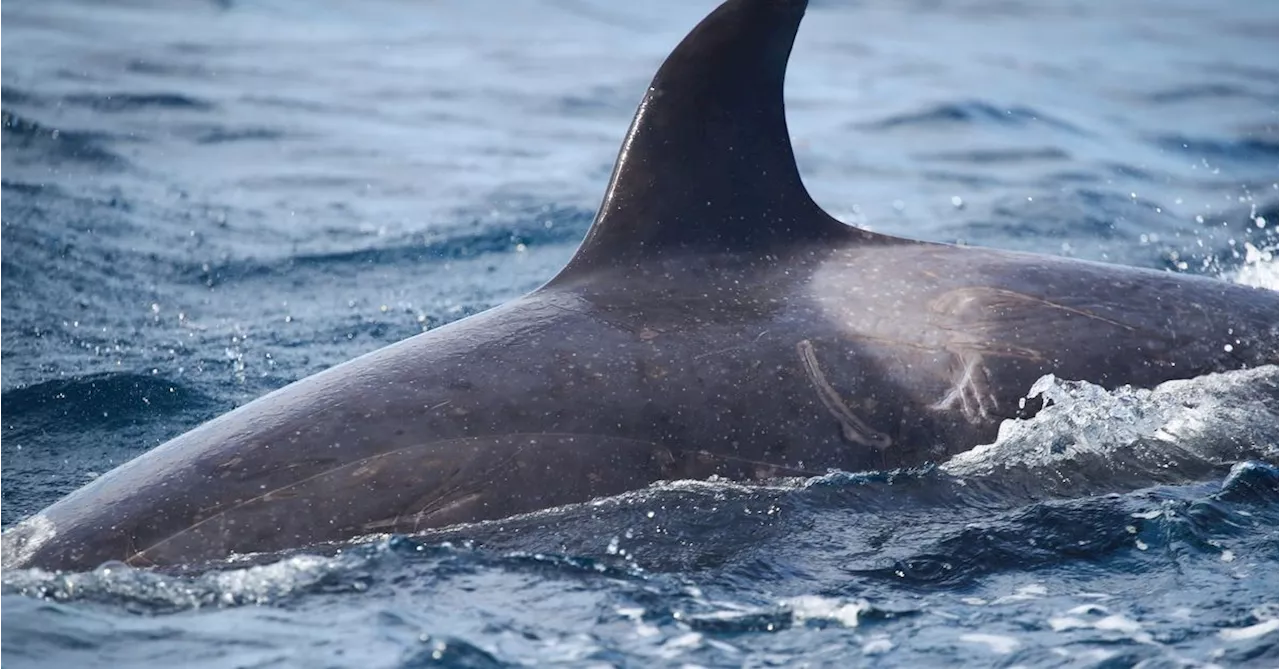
(203, 201)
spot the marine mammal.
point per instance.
(714, 321)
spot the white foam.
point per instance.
(1086, 656)
(1119, 624)
(997, 643)
(813, 607)
(1065, 623)
(1252, 631)
(677, 646)
(1261, 268)
(1026, 592)
(877, 645)
(1108, 623)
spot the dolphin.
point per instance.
(714, 321)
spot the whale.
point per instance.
(714, 322)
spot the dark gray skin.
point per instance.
(714, 321)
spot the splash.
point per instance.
(152, 592)
(1261, 268)
(1178, 429)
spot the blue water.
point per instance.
(205, 201)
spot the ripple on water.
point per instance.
(120, 102)
(1218, 150)
(98, 400)
(28, 142)
(972, 113)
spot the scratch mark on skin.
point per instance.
(439, 501)
(731, 348)
(134, 557)
(563, 308)
(445, 508)
(851, 427)
(960, 298)
(971, 391)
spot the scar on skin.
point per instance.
(971, 392)
(851, 427)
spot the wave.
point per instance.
(972, 112)
(1243, 149)
(1087, 214)
(1214, 92)
(42, 145)
(223, 135)
(128, 102)
(998, 156)
(97, 400)
(247, 582)
(1095, 529)
(32, 189)
(544, 225)
(13, 96)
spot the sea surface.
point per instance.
(204, 201)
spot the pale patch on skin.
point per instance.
(21, 543)
(851, 426)
(963, 329)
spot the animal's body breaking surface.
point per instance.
(715, 321)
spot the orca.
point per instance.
(715, 321)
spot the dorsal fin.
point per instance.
(707, 164)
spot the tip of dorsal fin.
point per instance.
(707, 164)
